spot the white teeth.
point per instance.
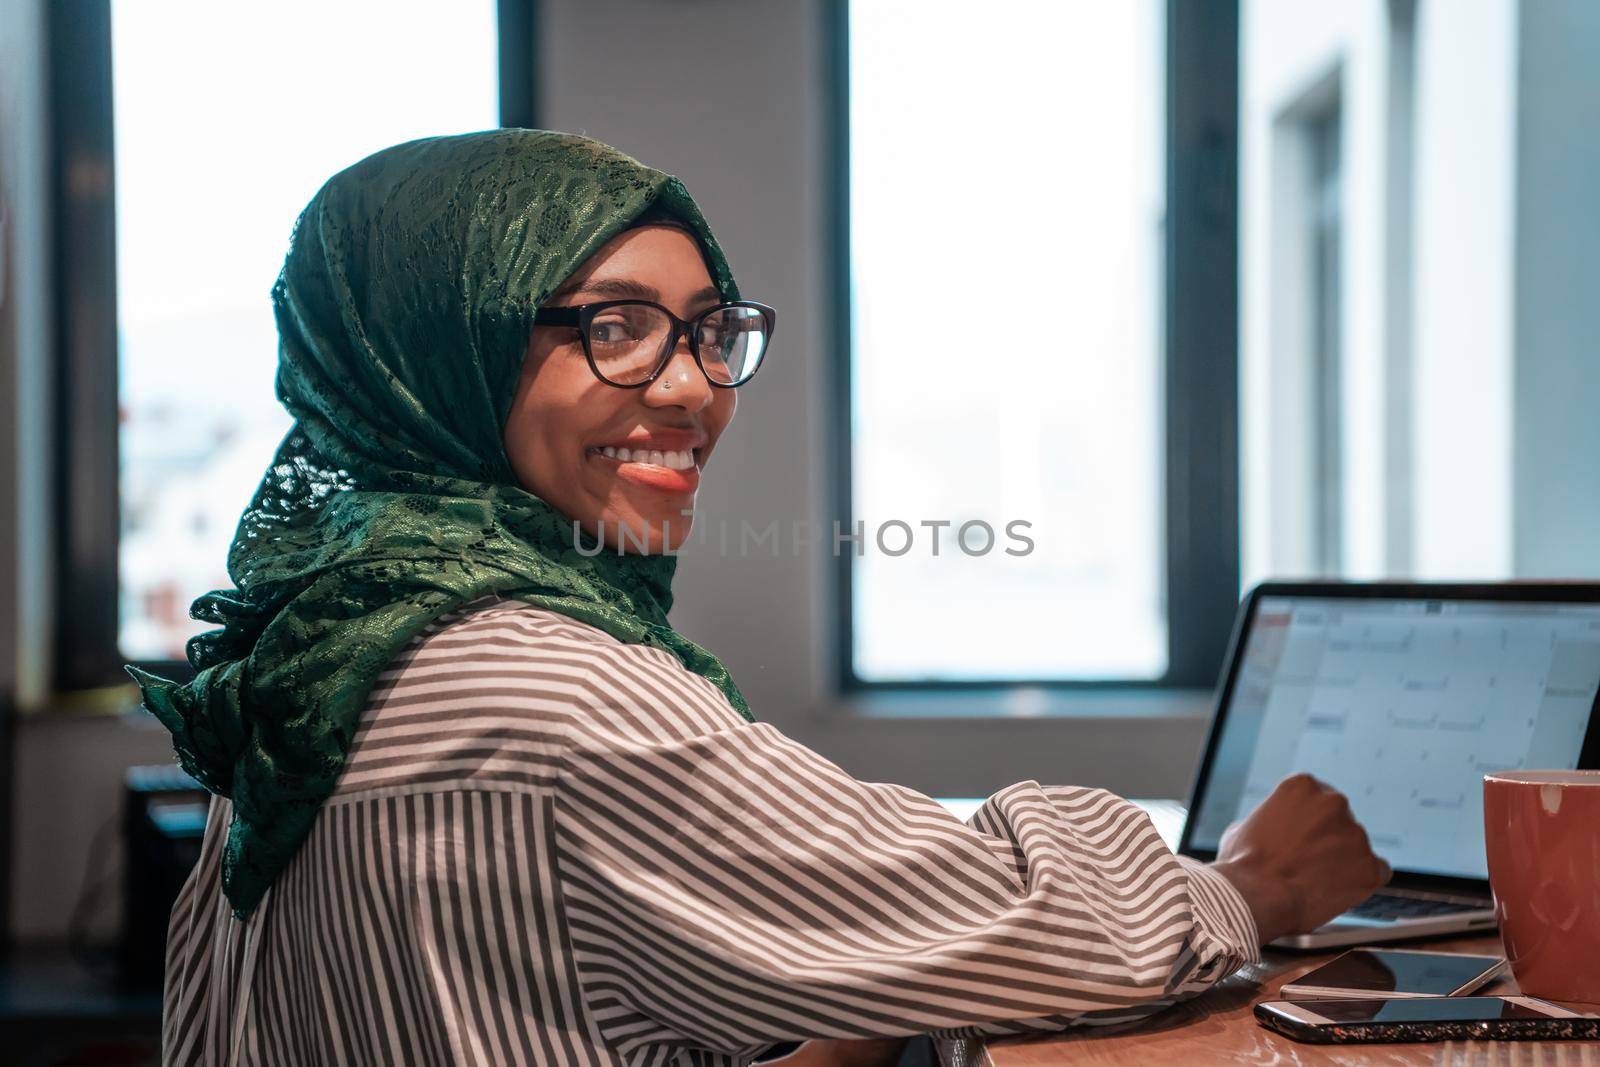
(678, 461)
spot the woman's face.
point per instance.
(563, 416)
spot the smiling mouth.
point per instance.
(672, 459)
(666, 470)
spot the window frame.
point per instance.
(1200, 340)
(86, 509)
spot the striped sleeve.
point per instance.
(726, 887)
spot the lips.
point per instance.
(665, 460)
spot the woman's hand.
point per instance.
(834, 1052)
(1299, 858)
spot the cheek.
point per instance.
(551, 449)
(525, 447)
(721, 413)
(542, 434)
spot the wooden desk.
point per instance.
(1218, 1027)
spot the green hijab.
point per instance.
(404, 311)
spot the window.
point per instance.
(228, 119)
(1020, 465)
(218, 124)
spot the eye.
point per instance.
(615, 329)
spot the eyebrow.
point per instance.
(628, 289)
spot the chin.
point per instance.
(649, 534)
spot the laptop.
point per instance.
(1401, 696)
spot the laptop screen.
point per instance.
(1403, 705)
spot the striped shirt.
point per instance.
(548, 846)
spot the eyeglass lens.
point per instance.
(629, 341)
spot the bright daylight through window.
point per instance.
(1007, 339)
(215, 156)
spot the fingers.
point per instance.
(1381, 871)
(1307, 781)
(1361, 844)
(1305, 787)
(1301, 782)
(1331, 808)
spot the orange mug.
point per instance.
(1542, 834)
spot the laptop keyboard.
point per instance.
(1388, 906)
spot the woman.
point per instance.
(477, 802)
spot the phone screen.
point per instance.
(1445, 1009)
(1382, 971)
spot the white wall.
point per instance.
(1462, 347)
(1556, 326)
(1290, 51)
(1471, 343)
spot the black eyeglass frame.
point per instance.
(580, 316)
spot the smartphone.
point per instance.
(1431, 1019)
(1381, 973)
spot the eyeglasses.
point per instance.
(629, 342)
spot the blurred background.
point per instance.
(1197, 291)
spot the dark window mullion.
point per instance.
(835, 74)
(84, 479)
(1201, 308)
(518, 44)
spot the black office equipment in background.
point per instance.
(164, 819)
